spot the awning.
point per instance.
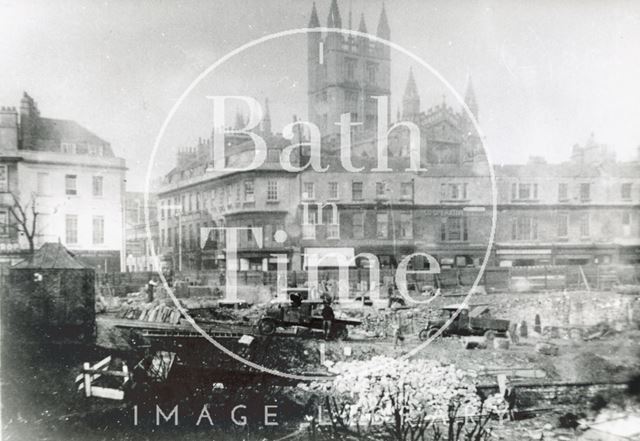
(541, 252)
(328, 257)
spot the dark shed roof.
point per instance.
(51, 256)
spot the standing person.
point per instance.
(510, 398)
(150, 286)
(327, 318)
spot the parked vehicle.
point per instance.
(306, 313)
(475, 322)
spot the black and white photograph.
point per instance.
(349, 220)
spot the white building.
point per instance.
(73, 178)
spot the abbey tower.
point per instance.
(345, 71)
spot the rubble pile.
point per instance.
(628, 289)
(565, 309)
(156, 311)
(589, 367)
(383, 323)
(423, 391)
(542, 428)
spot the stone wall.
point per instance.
(563, 309)
(529, 396)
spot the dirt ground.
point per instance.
(40, 400)
(614, 356)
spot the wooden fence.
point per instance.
(494, 279)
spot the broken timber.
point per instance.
(91, 373)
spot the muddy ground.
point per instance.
(41, 401)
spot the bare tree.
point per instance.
(26, 219)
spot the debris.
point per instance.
(628, 289)
(501, 343)
(586, 367)
(602, 329)
(547, 348)
(246, 340)
(474, 343)
(568, 421)
(154, 311)
(479, 311)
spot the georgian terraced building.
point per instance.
(585, 210)
(73, 179)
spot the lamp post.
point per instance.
(178, 209)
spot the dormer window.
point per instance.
(96, 150)
(68, 147)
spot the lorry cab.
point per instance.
(465, 322)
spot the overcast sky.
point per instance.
(546, 73)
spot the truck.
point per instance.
(474, 322)
(305, 313)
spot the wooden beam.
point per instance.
(105, 392)
(87, 380)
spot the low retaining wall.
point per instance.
(555, 394)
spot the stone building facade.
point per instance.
(582, 211)
(139, 244)
(71, 177)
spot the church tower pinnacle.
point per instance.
(334, 20)
(344, 73)
(470, 98)
(383, 25)
(362, 27)
(313, 20)
(266, 119)
(411, 99)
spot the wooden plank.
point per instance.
(103, 363)
(87, 380)
(105, 392)
(516, 372)
(107, 373)
(189, 334)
